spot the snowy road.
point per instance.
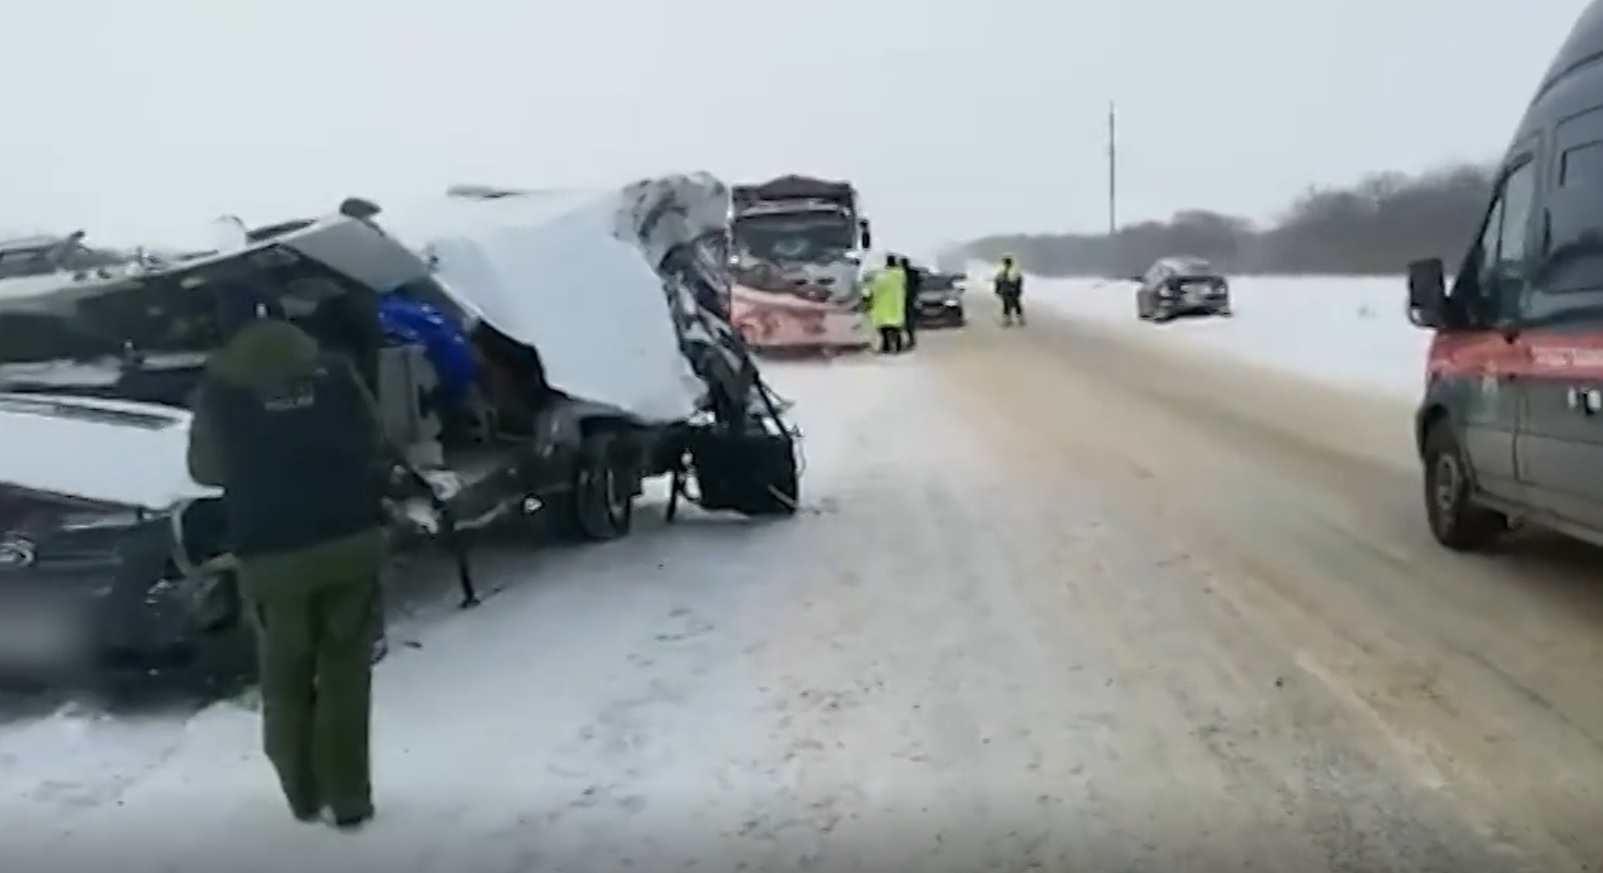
(1059, 600)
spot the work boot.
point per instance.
(351, 819)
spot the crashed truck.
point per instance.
(535, 357)
(797, 245)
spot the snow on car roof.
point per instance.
(131, 454)
(98, 410)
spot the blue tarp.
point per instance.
(444, 341)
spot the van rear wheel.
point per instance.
(1455, 520)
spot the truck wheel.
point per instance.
(603, 493)
(1455, 520)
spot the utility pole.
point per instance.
(1113, 172)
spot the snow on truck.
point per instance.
(796, 252)
(534, 354)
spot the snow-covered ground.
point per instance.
(664, 698)
(1350, 331)
(1000, 635)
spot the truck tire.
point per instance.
(1455, 521)
(602, 493)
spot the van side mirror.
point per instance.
(1427, 293)
(864, 234)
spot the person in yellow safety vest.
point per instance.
(1009, 284)
(886, 295)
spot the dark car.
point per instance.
(1180, 286)
(940, 300)
(1510, 427)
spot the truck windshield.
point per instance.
(795, 236)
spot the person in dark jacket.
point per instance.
(348, 323)
(915, 281)
(293, 437)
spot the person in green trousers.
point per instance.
(293, 438)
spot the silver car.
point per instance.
(1181, 286)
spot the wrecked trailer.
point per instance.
(491, 333)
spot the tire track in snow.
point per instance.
(1319, 551)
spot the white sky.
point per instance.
(138, 119)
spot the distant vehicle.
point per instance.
(940, 299)
(1510, 427)
(1181, 286)
(797, 251)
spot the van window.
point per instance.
(1519, 198)
(1486, 249)
(1582, 164)
(1572, 256)
(1495, 273)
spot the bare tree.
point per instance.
(1373, 227)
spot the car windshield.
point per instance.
(1193, 267)
(795, 236)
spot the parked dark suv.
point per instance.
(1175, 287)
(1511, 423)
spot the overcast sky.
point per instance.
(140, 118)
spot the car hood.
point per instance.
(130, 454)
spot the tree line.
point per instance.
(1374, 227)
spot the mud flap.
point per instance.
(753, 474)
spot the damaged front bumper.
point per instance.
(81, 602)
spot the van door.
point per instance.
(1561, 446)
(1485, 363)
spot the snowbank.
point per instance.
(1347, 331)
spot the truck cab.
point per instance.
(1510, 427)
(797, 247)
